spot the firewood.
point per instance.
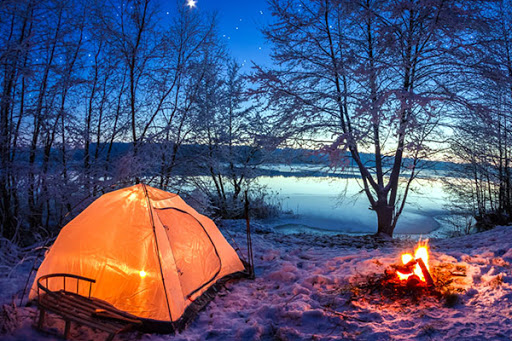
(407, 268)
(426, 273)
(413, 281)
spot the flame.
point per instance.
(406, 258)
(420, 252)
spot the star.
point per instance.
(191, 3)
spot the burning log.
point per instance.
(407, 268)
(426, 273)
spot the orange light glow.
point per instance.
(420, 252)
(142, 274)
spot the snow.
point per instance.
(304, 291)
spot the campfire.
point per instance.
(415, 269)
(412, 278)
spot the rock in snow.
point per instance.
(302, 291)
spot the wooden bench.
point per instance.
(73, 307)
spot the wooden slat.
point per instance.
(86, 321)
(91, 306)
(103, 314)
(80, 311)
(87, 311)
(66, 306)
(99, 304)
(80, 317)
(108, 306)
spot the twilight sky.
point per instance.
(239, 23)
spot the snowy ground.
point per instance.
(304, 290)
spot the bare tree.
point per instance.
(227, 129)
(189, 39)
(363, 77)
(79, 80)
(15, 27)
(482, 135)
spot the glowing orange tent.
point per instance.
(150, 253)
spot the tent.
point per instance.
(151, 254)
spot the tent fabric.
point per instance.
(151, 254)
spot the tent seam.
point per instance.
(158, 251)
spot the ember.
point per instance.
(416, 269)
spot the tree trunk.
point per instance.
(385, 219)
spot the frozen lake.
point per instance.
(333, 204)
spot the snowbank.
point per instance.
(303, 292)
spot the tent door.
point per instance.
(197, 261)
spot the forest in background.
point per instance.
(402, 80)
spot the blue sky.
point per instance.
(239, 23)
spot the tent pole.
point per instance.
(250, 258)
